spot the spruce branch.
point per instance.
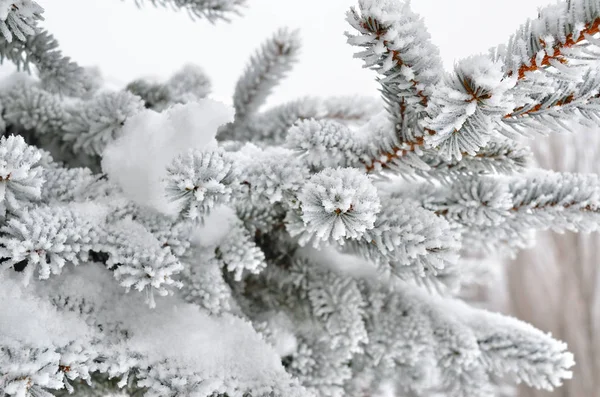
(559, 201)
(273, 174)
(239, 254)
(21, 177)
(409, 241)
(212, 10)
(465, 105)
(58, 74)
(555, 106)
(397, 45)
(19, 18)
(190, 83)
(272, 125)
(496, 214)
(514, 348)
(498, 157)
(46, 238)
(139, 260)
(199, 180)
(66, 184)
(96, 123)
(324, 143)
(335, 204)
(264, 71)
(204, 285)
(259, 312)
(542, 73)
(32, 108)
(552, 39)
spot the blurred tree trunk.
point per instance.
(555, 284)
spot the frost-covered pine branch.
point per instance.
(156, 242)
(18, 18)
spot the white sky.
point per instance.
(126, 42)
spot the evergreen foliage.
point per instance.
(156, 242)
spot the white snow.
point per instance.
(32, 321)
(215, 227)
(223, 350)
(137, 161)
(485, 73)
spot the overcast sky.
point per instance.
(127, 42)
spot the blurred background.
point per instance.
(553, 285)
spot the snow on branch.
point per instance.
(67, 338)
(324, 143)
(555, 106)
(213, 211)
(544, 78)
(139, 260)
(501, 214)
(497, 157)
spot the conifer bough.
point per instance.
(156, 242)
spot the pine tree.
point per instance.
(156, 242)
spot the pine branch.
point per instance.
(190, 83)
(398, 47)
(198, 181)
(557, 201)
(409, 241)
(212, 10)
(46, 238)
(266, 68)
(513, 348)
(379, 26)
(335, 204)
(555, 106)
(555, 38)
(58, 74)
(496, 214)
(325, 143)
(498, 157)
(97, 122)
(380, 150)
(34, 109)
(19, 18)
(272, 125)
(465, 109)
